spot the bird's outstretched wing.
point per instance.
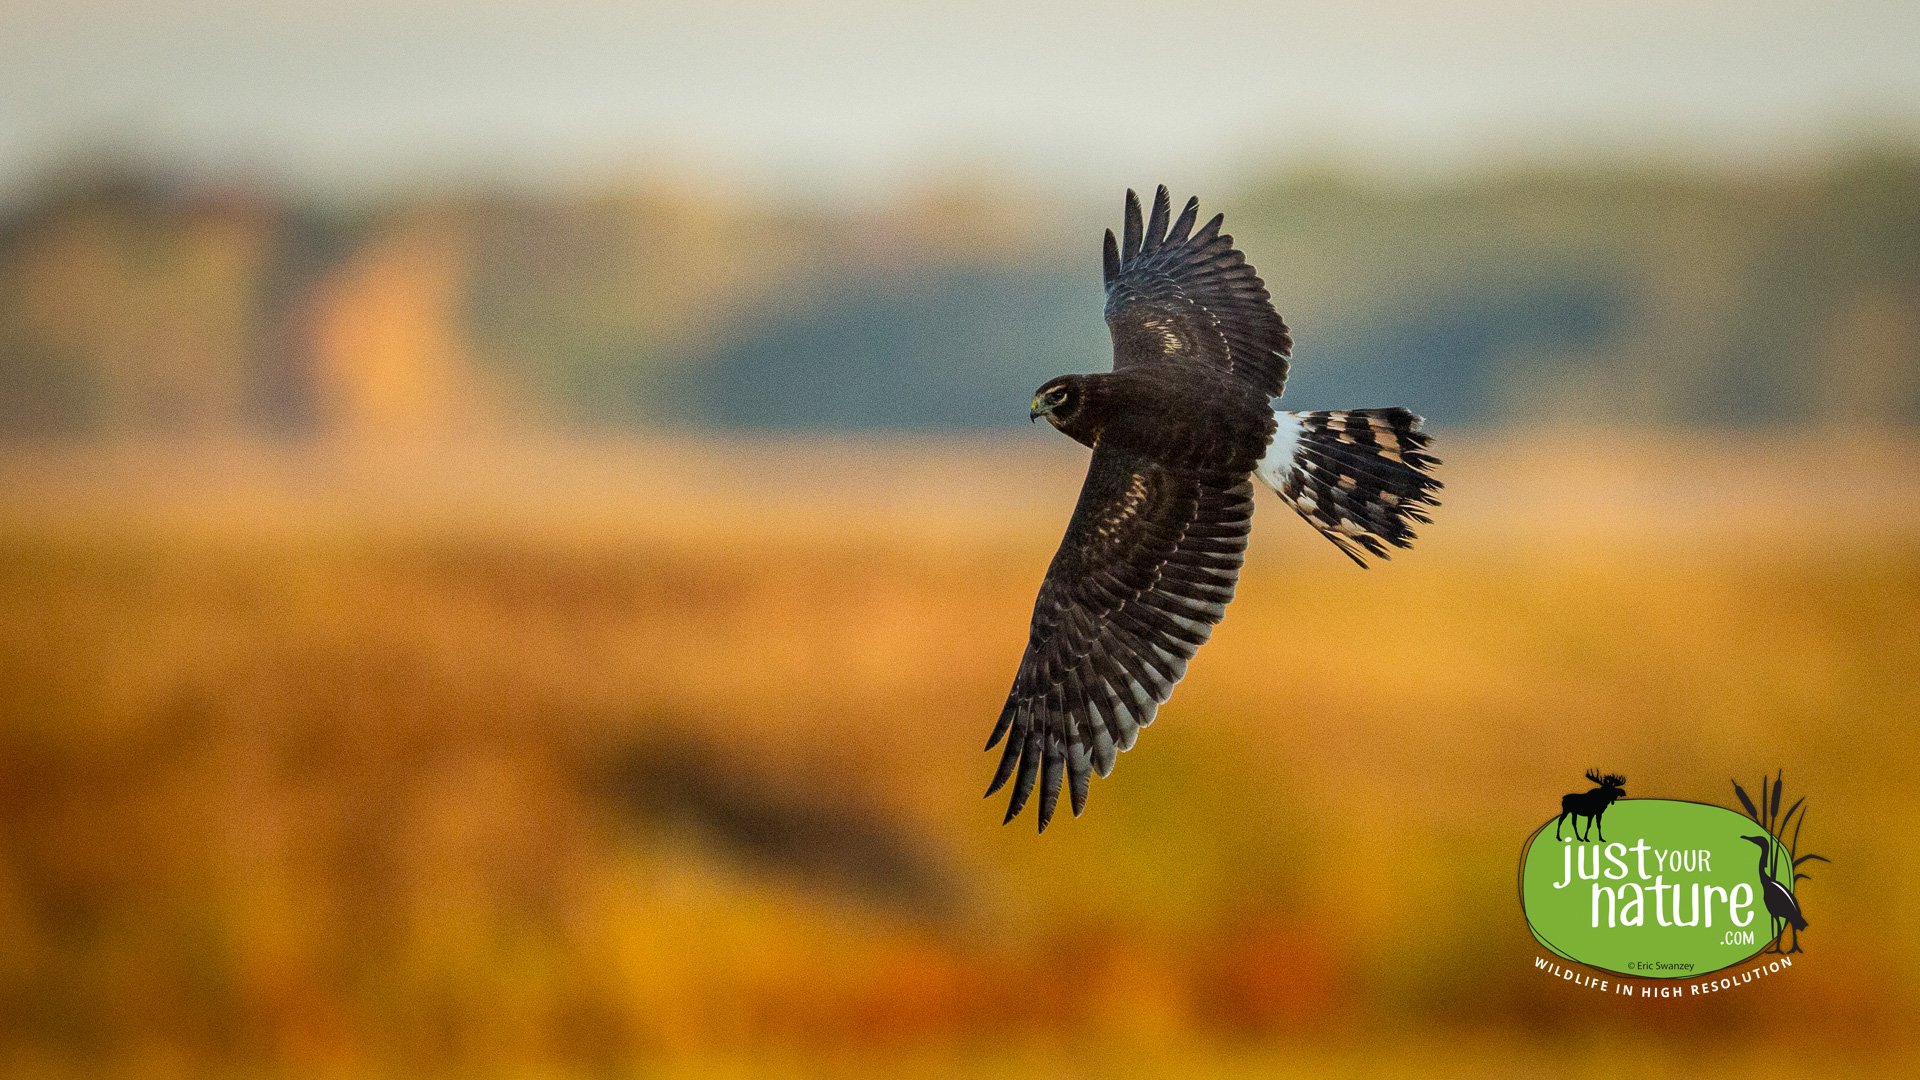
(1144, 572)
(1175, 296)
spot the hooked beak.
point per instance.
(1034, 411)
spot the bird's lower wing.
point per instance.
(1145, 571)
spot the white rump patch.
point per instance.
(1277, 462)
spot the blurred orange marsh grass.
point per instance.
(566, 759)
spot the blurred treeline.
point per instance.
(136, 306)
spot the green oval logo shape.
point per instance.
(1678, 890)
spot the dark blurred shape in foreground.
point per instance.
(825, 836)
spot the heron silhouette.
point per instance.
(1780, 902)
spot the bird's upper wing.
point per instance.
(1175, 296)
(1144, 572)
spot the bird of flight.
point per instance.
(1179, 428)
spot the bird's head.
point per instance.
(1765, 844)
(1058, 400)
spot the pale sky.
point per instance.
(855, 96)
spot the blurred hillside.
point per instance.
(130, 306)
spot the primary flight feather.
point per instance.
(1179, 430)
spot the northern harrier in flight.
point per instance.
(1179, 429)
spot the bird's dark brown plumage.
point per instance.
(1154, 549)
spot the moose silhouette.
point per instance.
(1590, 804)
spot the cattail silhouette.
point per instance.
(1782, 903)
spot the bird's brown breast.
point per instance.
(1208, 424)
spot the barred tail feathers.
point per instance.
(1359, 476)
